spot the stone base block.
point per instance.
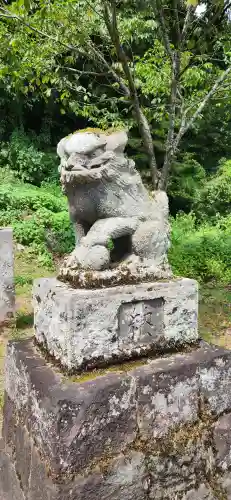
(154, 432)
(88, 328)
(7, 295)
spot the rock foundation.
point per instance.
(157, 431)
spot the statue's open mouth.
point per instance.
(80, 163)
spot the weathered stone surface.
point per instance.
(9, 424)
(101, 184)
(138, 435)
(124, 479)
(130, 272)
(215, 382)
(23, 447)
(222, 439)
(97, 161)
(145, 241)
(225, 485)
(117, 141)
(79, 143)
(156, 396)
(7, 296)
(41, 486)
(167, 392)
(168, 389)
(81, 327)
(91, 419)
(96, 257)
(111, 228)
(9, 483)
(204, 492)
(172, 475)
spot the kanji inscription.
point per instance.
(138, 321)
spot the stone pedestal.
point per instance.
(156, 431)
(7, 296)
(88, 328)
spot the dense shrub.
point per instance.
(39, 217)
(30, 164)
(187, 178)
(25, 197)
(201, 252)
(215, 197)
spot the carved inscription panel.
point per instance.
(141, 322)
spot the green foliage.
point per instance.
(201, 252)
(24, 197)
(39, 218)
(187, 178)
(23, 280)
(110, 245)
(211, 140)
(192, 2)
(62, 65)
(215, 197)
(23, 157)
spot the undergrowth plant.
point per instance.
(201, 251)
(39, 218)
(25, 158)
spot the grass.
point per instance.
(215, 314)
(27, 270)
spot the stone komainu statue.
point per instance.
(116, 221)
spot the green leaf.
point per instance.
(27, 4)
(193, 2)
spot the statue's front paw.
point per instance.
(94, 258)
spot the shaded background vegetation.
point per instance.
(47, 91)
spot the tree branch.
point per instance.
(83, 73)
(184, 33)
(158, 11)
(94, 9)
(5, 15)
(176, 15)
(185, 126)
(112, 27)
(175, 60)
(116, 77)
(222, 14)
(172, 118)
(226, 7)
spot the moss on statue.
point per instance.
(92, 130)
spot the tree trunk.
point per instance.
(146, 136)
